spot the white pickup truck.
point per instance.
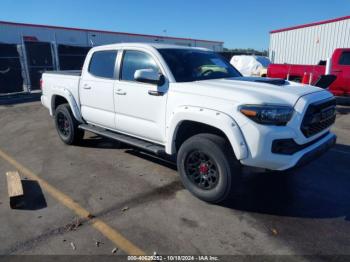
(192, 104)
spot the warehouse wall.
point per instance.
(41, 48)
(12, 33)
(309, 45)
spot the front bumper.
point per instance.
(272, 161)
(316, 152)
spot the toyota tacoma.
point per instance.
(191, 104)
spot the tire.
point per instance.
(208, 167)
(67, 125)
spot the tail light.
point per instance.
(41, 84)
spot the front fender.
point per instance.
(71, 101)
(209, 117)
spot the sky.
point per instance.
(239, 24)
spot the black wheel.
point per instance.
(208, 167)
(67, 125)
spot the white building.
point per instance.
(309, 43)
(26, 50)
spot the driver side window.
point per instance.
(136, 60)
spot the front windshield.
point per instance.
(188, 65)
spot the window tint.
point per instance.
(136, 60)
(345, 59)
(103, 64)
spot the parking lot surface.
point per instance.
(139, 202)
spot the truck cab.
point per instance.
(108, 76)
(340, 67)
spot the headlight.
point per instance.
(268, 114)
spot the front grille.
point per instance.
(318, 117)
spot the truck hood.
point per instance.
(251, 90)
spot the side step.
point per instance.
(145, 145)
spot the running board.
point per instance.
(145, 145)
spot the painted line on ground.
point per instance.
(112, 234)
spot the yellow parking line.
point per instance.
(112, 234)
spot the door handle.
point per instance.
(155, 93)
(337, 71)
(120, 92)
(87, 87)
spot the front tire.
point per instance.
(208, 167)
(67, 125)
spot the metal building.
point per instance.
(309, 43)
(26, 50)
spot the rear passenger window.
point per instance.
(102, 64)
(345, 59)
(135, 60)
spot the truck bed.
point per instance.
(61, 83)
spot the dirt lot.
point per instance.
(138, 201)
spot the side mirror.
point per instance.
(149, 76)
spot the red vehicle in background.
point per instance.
(338, 65)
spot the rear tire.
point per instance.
(208, 167)
(67, 125)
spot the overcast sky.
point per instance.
(240, 24)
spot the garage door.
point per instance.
(39, 59)
(11, 80)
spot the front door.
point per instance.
(96, 89)
(137, 112)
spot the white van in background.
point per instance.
(251, 65)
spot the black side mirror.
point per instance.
(149, 76)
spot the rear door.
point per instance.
(96, 89)
(39, 59)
